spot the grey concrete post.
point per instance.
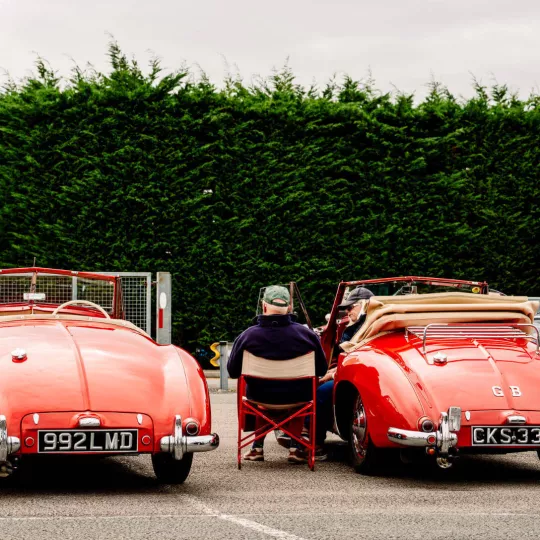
(223, 373)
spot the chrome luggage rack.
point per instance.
(473, 331)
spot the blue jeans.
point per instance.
(325, 413)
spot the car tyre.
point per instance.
(365, 456)
(169, 470)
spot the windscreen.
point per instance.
(398, 288)
(33, 288)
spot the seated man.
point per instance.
(277, 337)
(355, 307)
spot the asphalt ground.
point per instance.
(117, 498)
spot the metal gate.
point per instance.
(137, 297)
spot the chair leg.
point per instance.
(238, 449)
(313, 443)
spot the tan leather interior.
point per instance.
(63, 317)
(391, 313)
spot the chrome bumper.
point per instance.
(443, 439)
(179, 444)
(8, 445)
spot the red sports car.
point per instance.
(440, 367)
(78, 379)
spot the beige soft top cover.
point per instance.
(389, 313)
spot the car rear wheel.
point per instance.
(365, 456)
(169, 470)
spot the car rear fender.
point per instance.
(388, 395)
(198, 391)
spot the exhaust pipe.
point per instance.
(6, 469)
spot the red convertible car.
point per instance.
(78, 379)
(440, 367)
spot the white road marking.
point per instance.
(247, 523)
(205, 510)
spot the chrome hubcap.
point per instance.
(359, 429)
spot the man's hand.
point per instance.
(330, 374)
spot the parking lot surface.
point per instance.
(484, 497)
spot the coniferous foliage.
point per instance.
(234, 188)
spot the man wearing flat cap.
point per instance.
(276, 336)
(355, 308)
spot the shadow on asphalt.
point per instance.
(497, 469)
(62, 475)
(75, 474)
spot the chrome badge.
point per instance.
(498, 391)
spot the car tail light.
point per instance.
(192, 427)
(427, 425)
(146, 440)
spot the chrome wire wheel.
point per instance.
(359, 433)
(366, 458)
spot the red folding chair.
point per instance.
(276, 416)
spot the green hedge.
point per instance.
(114, 172)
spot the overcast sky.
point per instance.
(403, 42)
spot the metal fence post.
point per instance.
(74, 288)
(223, 374)
(163, 301)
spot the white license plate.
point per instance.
(88, 441)
(505, 435)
